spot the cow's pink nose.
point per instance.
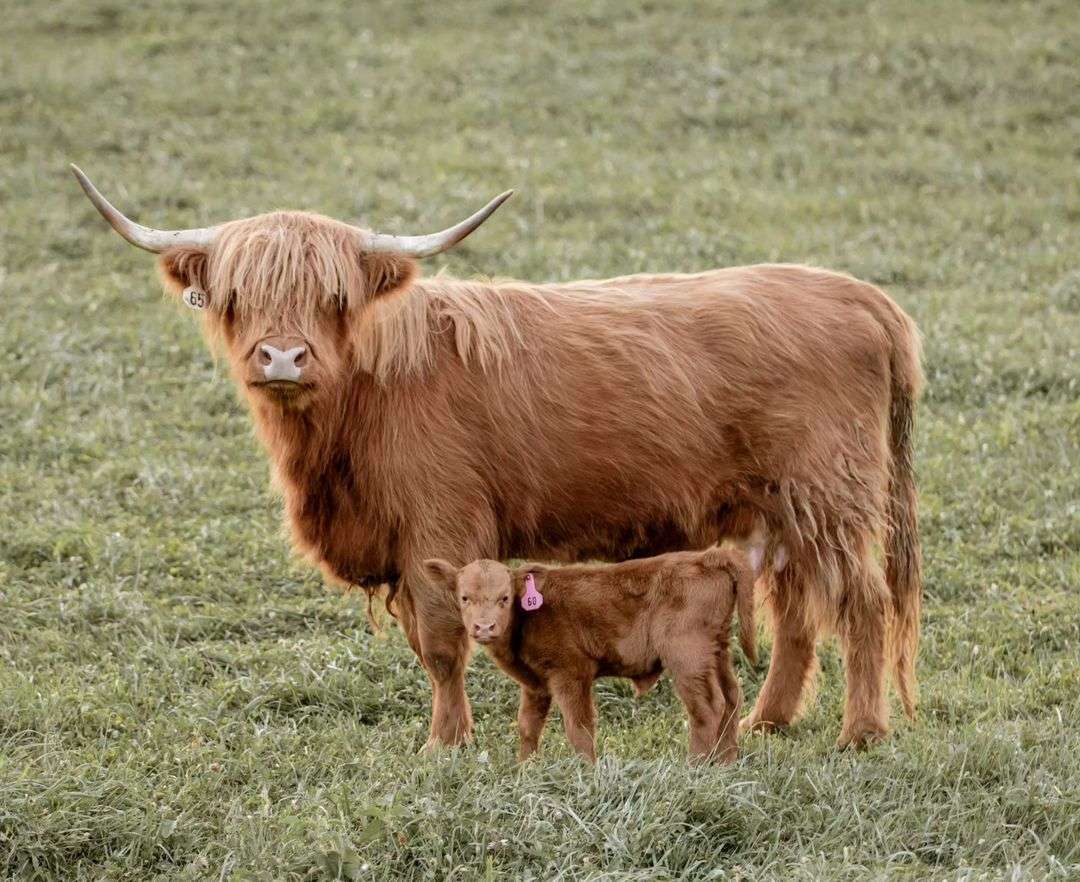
(279, 365)
(482, 629)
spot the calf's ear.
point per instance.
(537, 571)
(441, 573)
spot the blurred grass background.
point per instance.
(181, 700)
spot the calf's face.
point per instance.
(484, 592)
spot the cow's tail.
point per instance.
(903, 553)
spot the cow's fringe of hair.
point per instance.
(289, 264)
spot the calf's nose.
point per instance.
(282, 365)
(481, 629)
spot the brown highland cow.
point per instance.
(409, 418)
(555, 630)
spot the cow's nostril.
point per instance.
(301, 358)
(264, 355)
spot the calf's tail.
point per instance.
(737, 566)
(743, 583)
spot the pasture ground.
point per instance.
(180, 700)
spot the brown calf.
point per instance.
(557, 629)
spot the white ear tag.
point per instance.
(194, 298)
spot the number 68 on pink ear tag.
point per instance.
(532, 599)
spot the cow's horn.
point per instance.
(434, 243)
(138, 235)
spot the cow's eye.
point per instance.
(504, 600)
(464, 601)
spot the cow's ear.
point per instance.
(441, 573)
(182, 268)
(386, 273)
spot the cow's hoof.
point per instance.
(861, 736)
(759, 726)
(432, 746)
(435, 744)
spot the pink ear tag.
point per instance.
(532, 599)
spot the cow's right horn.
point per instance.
(146, 238)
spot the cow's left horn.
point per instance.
(138, 235)
(434, 243)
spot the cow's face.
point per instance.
(284, 295)
(285, 291)
(484, 591)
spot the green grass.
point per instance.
(179, 699)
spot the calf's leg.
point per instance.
(532, 714)
(691, 661)
(697, 692)
(573, 695)
(729, 703)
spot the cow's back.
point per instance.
(641, 414)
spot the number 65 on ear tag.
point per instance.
(193, 297)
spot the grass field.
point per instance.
(179, 699)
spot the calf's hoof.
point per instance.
(643, 684)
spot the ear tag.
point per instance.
(194, 297)
(532, 599)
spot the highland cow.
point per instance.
(409, 418)
(555, 630)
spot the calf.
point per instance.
(557, 629)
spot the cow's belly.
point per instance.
(600, 539)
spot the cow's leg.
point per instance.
(532, 714)
(573, 695)
(863, 624)
(443, 653)
(445, 656)
(794, 657)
